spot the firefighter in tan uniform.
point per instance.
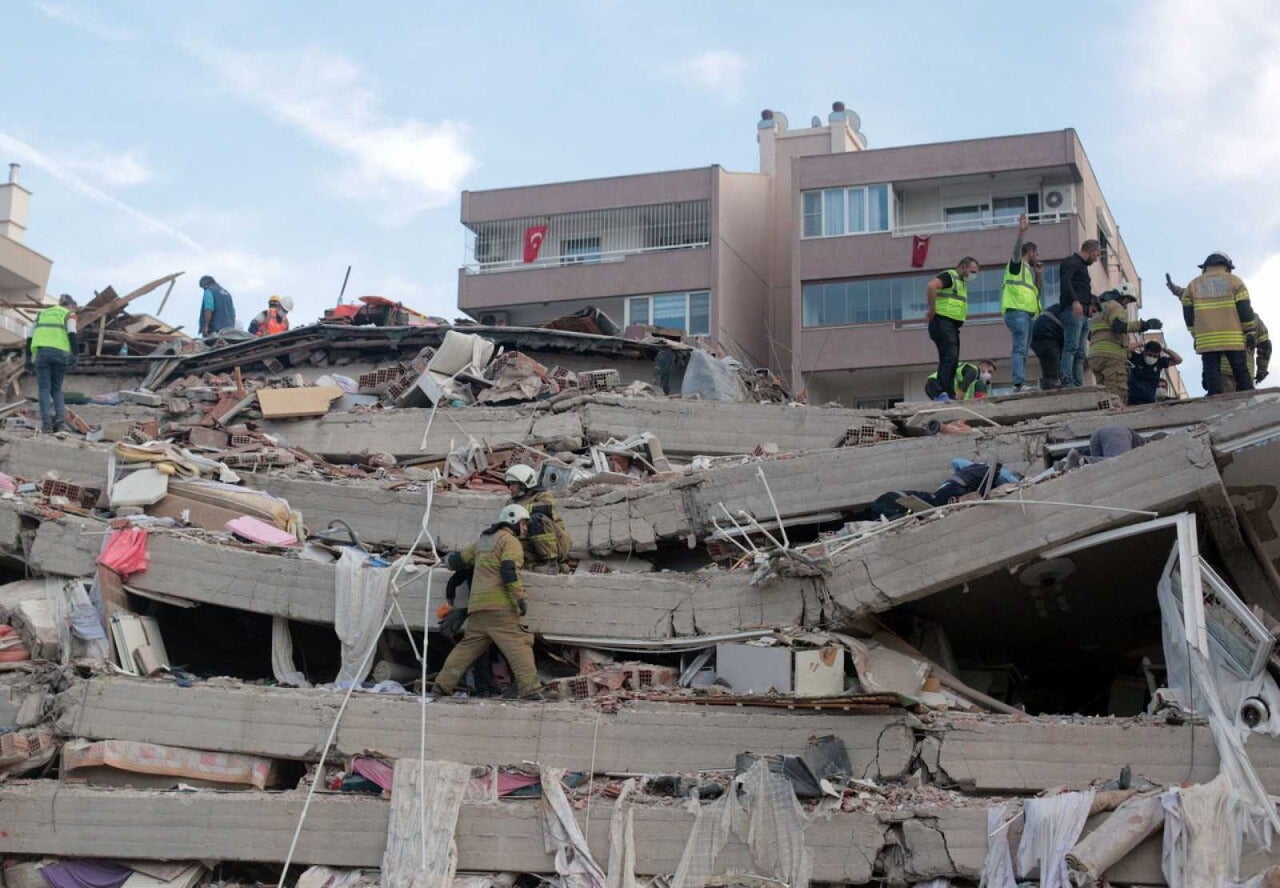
(496, 605)
(1109, 332)
(547, 544)
(1219, 314)
(1257, 357)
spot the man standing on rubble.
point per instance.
(1219, 314)
(1020, 300)
(1075, 292)
(217, 310)
(547, 544)
(1109, 333)
(275, 319)
(948, 305)
(1257, 356)
(496, 605)
(51, 349)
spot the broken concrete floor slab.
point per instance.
(641, 738)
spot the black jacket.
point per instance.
(1074, 283)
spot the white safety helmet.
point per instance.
(1127, 291)
(521, 474)
(513, 514)
(283, 301)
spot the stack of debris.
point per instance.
(787, 644)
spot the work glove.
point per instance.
(451, 625)
(453, 561)
(1152, 324)
(522, 606)
(535, 525)
(1168, 282)
(1262, 374)
(541, 509)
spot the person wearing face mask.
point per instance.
(971, 381)
(1109, 332)
(948, 306)
(1146, 366)
(1075, 290)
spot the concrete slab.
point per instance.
(642, 737)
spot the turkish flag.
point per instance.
(919, 250)
(533, 236)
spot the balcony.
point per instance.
(586, 238)
(982, 222)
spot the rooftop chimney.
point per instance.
(14, 200)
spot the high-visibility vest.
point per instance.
(967, 393)
(1216, 324)
(953, 302)
(1020, 292)
(1103, 340)
(273, 321)
(50, 330)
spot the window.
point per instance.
(690, 312)
(1006, 210)
(971, 216)
(580, 249)
(884, 300)
(833, 212)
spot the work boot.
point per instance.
(1019, 389)
(943, 397)
(59, 428)
(538, 693)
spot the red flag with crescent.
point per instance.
(919, 250)
(533, 237)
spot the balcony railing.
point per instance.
(982, 223)
(587, 237)
(17, 326)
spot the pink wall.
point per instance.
(589, 194)
(889, 345)
(740, 247)
(882, 254)
(640, 273)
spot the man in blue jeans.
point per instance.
(51, 348)
(1020, 300)
(1074, 295)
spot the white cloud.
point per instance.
(1263, 280)
(718, 71)
(67, 175)
(107, 168)
(405, 166)
(79, 19)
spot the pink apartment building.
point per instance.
(805, 266)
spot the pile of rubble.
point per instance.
(935, 644)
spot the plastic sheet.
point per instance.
(125, 552)
(1051, 828)
(561, 836)
(360, 601)
(1201, 835)
(282, 666)
(997, 869)
(712, 380)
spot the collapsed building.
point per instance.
(931, 644)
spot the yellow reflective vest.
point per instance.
(50, 330)
(1020, 292)
(953, 302)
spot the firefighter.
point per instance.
(1257, 356)
(275, 319)
(1219, 314)
(546, 547)
(1109, 333)
(496, 605)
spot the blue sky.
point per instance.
(273, 144)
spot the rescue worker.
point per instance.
(275, 319)
(217, 309)
(547, 544)
(1146, 366)
(496, 605)
(52, 347)
(1109, 331)
(1220, 317)
(948, 306)
(1020, 300)
(1257, 356)
(970, 382)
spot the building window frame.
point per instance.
(581, 250)
(701, 298)
(818, 208)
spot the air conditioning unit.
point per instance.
(494, 319)
(1057, 199)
